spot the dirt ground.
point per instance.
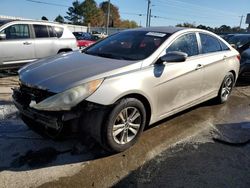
(206, 146)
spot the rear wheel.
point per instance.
(124, 125)
(226, 88)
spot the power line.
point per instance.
(47, 3)
(130, 13)
(181, 3)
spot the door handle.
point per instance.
(27, 43)
(199, 66)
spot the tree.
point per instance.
(186, 24)
(59, 19)
(44, 18)
(202, 27)
(114, 18)
(128, 24)
(91, 13)
(74, 13)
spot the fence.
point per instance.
(76, 28)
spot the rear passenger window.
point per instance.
(59, 31)
(223, 46)
(209, 44)
(52, 32)
(41, 31)
(186, 43)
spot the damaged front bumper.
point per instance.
(48, 119)
(87, 116)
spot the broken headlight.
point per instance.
(69, 98)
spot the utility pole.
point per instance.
(108, 14)
(241, 18)
(147, 22)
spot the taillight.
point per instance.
(238, 57)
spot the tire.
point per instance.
(124, 125)
(226, 88)
(64, 51)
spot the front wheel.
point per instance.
(124, 125)
(226, 88)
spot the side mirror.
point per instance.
(2, 36)
(174, 56)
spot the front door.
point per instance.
(18, 47)
(180, 83)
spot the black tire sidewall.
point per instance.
(108, 139)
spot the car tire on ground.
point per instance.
(124, 125)
(226, 88)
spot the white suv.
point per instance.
(26, 41)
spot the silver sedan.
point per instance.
(130, 80)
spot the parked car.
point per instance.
(26, 41)
(132, 79)
(226, 37)
(85, 39)
(245, 63)
(239, 40)
(242, 44)
(99, 34)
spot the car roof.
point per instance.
(242, 35)
(164, 29)
(5, 21)
(32, 22)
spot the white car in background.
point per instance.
(24, 41)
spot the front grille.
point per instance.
(25, 94)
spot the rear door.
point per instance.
(18, 47)
(45, 41)
(215, 55)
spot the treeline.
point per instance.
(221, 29)
(89, 13)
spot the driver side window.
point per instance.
(18, 31)
(186, 43)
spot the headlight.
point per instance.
(69, 98)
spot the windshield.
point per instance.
(239, 40)
(128, 45)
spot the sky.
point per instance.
(212, 13)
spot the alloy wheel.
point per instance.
(227, 87)
(126, 125)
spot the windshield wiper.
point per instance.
(109, 55)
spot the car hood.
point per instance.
(61, 72)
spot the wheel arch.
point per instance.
(234, 74)
(64, 50)
(144, 101)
